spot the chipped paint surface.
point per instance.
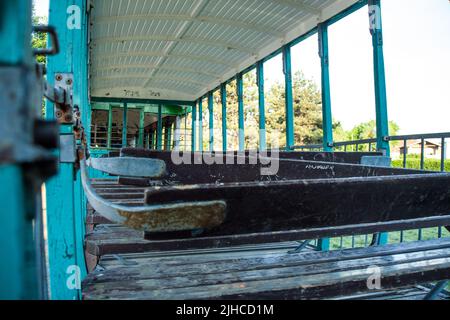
(157, 218)
(177, 217)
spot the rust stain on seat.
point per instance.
(177, 217)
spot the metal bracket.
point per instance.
(25, 137)
(63, 94)
(68, 153)
(300, 248)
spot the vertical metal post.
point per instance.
(65, 199)
(211, 120)
(177, 133)
(18, 265)
(200, 124)
(223, 96)
(422, 154)
(326, 96)
(152, 139)
(376, 31)
(194, 128)
(287, 68)
(240, 95)
(167, 137)
(261, 105)
(141, 128)
(124, 125)
(159, 129)
(110, 119)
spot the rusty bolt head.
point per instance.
(58, 77)
(68, 118)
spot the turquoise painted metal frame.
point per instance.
(19, 277)
(211, 120)
(65, 200)
(223, 99)
(66, 203)
(240, 95)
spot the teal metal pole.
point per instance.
(125, 125)
(166, 137)
(65, 197)
(200, 125)
(376, 30)
(327, 118)
(19, 271)
(110, 120)
(159, 129)
(240, 95)
(223, 96)
(261, 105)
(211, 120)
(141, 128)
(194, 128)
(287, 68)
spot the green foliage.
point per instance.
(394, 237)
(307, 102)
(429, 164)
(368, 130)
(39, 40)
(307, 111)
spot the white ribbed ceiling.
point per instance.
(181, 49)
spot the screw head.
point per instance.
(58, 77)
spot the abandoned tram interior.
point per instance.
(122, 190)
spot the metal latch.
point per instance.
(68, 150)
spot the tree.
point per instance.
(39, 40)
(307, 100)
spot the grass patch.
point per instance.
(394, 237)
(429, 164)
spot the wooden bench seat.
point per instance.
(308, 275)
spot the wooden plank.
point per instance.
(197, 170)
(337, 157)
(325, 203)
(174, 274)
(313, 277)
(115, 239)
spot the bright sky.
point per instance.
(417, 51)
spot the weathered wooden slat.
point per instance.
(132, 167)
(312, 277)
(178, 276)
(122, 196)
(282, 170)
(270, 250)
(323, 203)
(220, 263)
(337, 157)
(410, 294)
(95, 218)
(119, 190)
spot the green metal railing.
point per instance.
(400, 143)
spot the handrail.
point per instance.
(441, 135)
